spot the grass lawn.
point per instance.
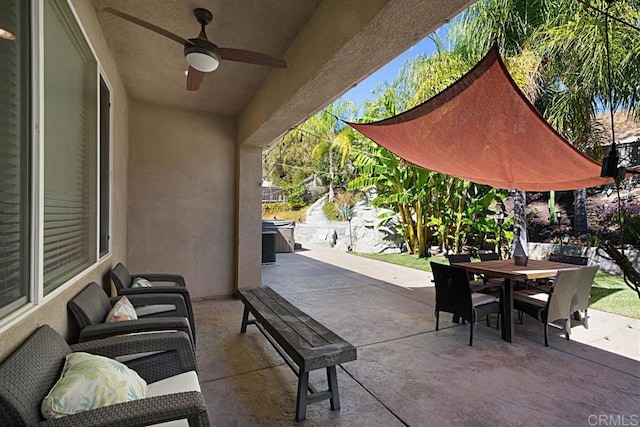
(285, 214)
(609, 293)
(406, 260)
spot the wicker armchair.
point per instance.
(123, 280)
(91, 306)
(27, 375)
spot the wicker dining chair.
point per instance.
(489, 256)
(453, 295)
(569, 259)
(569, 293)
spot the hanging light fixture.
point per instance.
(609, 163)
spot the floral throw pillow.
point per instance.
(122, 310)
(88, 382)
(141, 282)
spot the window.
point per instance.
(70, 140)
(105, 185)
(49, 194)
(15, 53)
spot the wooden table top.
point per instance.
(506, 268)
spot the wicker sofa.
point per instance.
(27, 375)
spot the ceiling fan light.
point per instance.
(202, 59)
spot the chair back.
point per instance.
(91, 306)
(565, 287)
(583, 293)
(452, 290)
(491, 256)
(453, 258)
(27, 375)
(121, 277)
(569, 259)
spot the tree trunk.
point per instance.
(520, 221)
(407, 230)
(422, 246)
(331, 177)
(580, 212)
(553, 214)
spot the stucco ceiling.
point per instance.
(330, 46)
(152, 66)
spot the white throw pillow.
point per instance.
(122, 310)
(88, 382)
(141, 282)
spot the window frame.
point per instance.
(35, 97)
(102, 78)
(25, 119)
(80, 261)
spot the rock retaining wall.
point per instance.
(542, 251)
(368, 236)
(365, 235)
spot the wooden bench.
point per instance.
(300, 340)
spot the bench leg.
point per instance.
(245, 320)
(332, 379)
(301, 400)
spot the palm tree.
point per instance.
(331, 135)
(563, 43)
(575, 39)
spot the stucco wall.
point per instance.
(182, 196)
(53, 310)
(249, 217)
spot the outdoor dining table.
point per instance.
(509, 271)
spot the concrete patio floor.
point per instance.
(406, 372)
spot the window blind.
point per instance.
(70, 126)
(14, 155)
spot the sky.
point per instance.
(388, 72)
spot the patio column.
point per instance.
(248, 217)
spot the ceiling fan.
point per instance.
(202, 55)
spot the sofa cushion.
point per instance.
(88, 382)
(147, 310)
(187, 381)
(122, 310)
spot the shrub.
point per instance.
(592, 240)
(631, 230)
(269, 209)
(348, 198)
(344, 212)
(329, 210)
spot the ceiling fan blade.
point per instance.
(240, 55)
(148, 25)
(194, 79)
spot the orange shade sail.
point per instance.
(484, 130)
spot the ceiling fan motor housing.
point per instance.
(203, 16)
(202, 55)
